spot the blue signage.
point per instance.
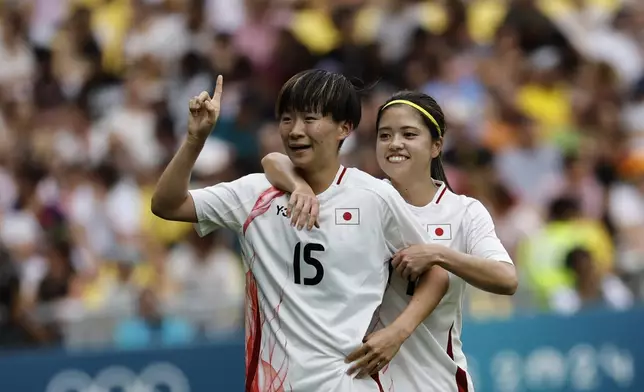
(207, 367)
(593, 352)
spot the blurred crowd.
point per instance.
(544, 101)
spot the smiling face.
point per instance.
(405, 147)
(311, 139)
(316, 111)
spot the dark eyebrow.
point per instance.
(404, 128)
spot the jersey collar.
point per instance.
(340, 175)
(440, 192)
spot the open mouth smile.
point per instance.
(397, 158)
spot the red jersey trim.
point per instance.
(254, 320)
(376, 378)
(440, 196)
(344, 170)
(262, 205)
(253, 334)
(461, 375)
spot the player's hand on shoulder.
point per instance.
(376, 352)
(413, 261)
(204, 112)
(303, 208)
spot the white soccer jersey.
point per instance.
(310, 294)
(432, 359)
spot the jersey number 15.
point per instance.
(310, 260)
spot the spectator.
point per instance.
(17, 330)
(151, 328)
(206, 268)
(544, 98)
(58, 295)
(590, 290)
(17, 62)
(578, 181)
(530, 167)
(626, 210)
(544, 102)
(543, 254)
(157, 33)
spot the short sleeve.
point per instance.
(223, 205)
(401, 228)
(481, 238)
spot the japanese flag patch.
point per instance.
(440, 232)
(347, 216)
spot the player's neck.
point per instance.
(320, 179)
(418, 193)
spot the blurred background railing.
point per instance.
(593, 351)
(544, 101)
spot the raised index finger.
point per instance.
(219, 88)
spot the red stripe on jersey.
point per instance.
(438, 200)
(376, 378)
(253, 334)
(262, 205)
(460, 376)
(273, 380)
(344, 170)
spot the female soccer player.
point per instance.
(311, 295)
(411, 128)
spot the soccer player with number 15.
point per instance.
(311, 295)
(428, 357)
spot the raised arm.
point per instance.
(281, 173)
(303, 207)
(171, 199)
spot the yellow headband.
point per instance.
(420, 109)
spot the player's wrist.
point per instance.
(433, 254)
(401, 329)
(301, 186)
(446, 257)
(195, 141)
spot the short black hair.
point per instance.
(319, 91)
(569, 160)
(9, 284)
(576, 257)
(564, 208)
(106, 174)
